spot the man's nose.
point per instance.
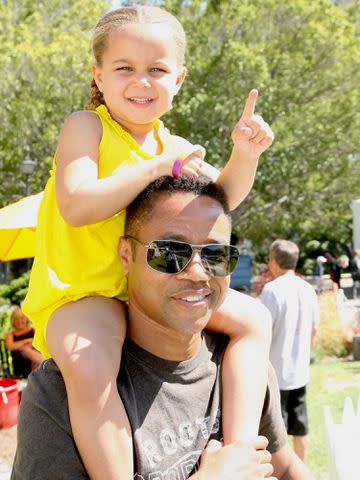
(195, 270)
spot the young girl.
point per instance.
(104, 158)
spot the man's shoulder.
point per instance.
(285, 282)
(272, 287)
(46, 448)
(306, 286)
(47, 370)
(45, 387)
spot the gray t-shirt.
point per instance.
(173, 408)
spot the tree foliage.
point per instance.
(304, 58)
(45, 60)
(15, 291)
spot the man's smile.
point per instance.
(193, 297)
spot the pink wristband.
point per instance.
(176, 170)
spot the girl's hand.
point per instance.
(191, 156)
(193, 163)
(251, 135)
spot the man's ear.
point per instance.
(124, 251)
(180, 78)
(97, 75)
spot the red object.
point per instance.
(9, 401)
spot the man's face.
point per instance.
(182, 302)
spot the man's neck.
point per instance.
(159, 340)
(281, 272)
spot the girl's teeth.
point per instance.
(140, 100)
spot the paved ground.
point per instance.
(7, 451)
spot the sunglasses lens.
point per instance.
(168, 256)
(219, 260)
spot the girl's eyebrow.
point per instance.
(121, 60)
(126, 60)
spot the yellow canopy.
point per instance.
(17, 228)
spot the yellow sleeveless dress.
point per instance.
(76, 262)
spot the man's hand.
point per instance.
(251, 135)
(237, 461)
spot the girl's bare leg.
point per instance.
(85, 339)
(245, 368)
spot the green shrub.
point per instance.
(11, 294)
(15, 291)
(5, 312)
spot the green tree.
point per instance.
(45, 60)
(304, 57)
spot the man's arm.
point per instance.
(288, 466)
(315, 321)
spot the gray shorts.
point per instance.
(294, 411)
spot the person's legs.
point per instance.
(298, 421)
(301, 446)
(85, 339)
(284, 394)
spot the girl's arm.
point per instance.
(12, 345)
(245, 368)
(83, 198)
(251, 137)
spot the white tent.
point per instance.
(356, 223)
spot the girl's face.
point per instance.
(140, 74)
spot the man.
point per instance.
(170, 373)
(295, 314)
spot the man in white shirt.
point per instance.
(294, 309)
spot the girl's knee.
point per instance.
(85, 339)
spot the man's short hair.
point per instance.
(285, 253)
(141, 208)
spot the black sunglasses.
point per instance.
(172, 256)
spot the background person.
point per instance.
(294, 309)
(19, 342)
(354, 267)
(319, 271)
(170, 372)
(334, 270)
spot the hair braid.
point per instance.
(96, 97)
